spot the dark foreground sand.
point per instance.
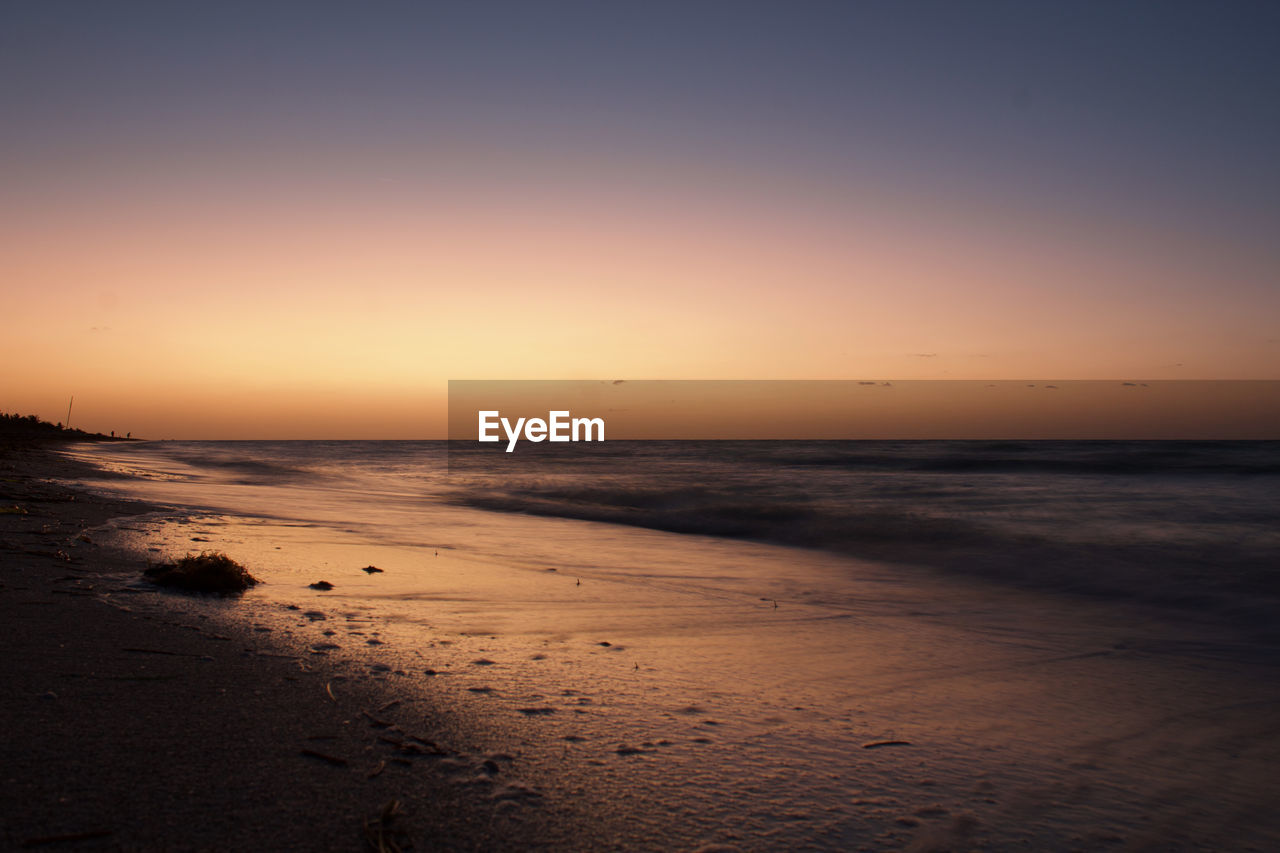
(129, 731)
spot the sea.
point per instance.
(1184, 524)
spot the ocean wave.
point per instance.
(1101, 519)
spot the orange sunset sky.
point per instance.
(243, 223)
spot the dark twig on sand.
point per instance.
(876, 744)
(332, 759)
(383, 832)
(424, 741)
(382, 724)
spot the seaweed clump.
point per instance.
(210, 571)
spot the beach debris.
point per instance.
(604, 643)
(371, 570)
(377, 771)
(323, 756)
(374, 721)
(483, 662)
(328, 688)
(384, 832)
(389, 705)
(425, 742)
(579, 582)
(876, 744)
(321, 585)
(412, 745)
(209, 571)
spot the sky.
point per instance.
(300, 220)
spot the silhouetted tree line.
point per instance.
(29, 426)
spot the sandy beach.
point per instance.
(133, 730)
(647, 698)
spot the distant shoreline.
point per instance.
(21, 429)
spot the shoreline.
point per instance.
(660, 705)
(129, 730)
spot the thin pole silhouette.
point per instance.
(72, 400)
